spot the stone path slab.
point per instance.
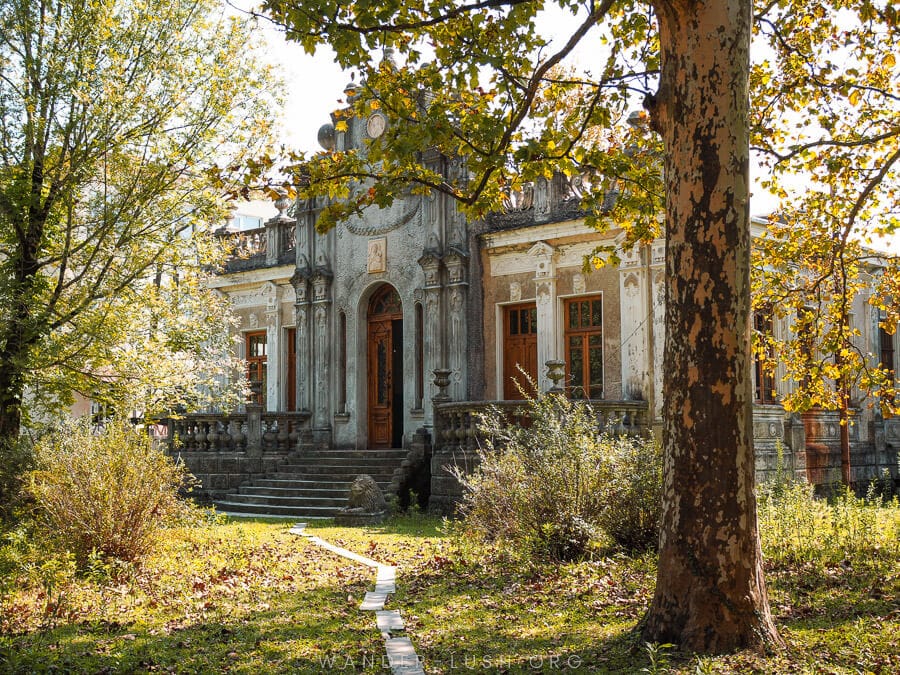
(373, 601)
(402, 656)
(385, 587)
(400, 651)
(389, 620)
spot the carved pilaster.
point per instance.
(545, 287)
(300, 281)
(432, 321)
(321, 395)
(456, 262)
(322, 340)
(272, 324)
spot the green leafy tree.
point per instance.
(826, 108)
(110, 114)
(477, 81)
(478, 84)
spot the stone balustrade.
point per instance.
(223, 451)
(456, 423)
(247, 243)
(266, 246)
(456, 438)
(278, 432)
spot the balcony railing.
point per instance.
(266, 246)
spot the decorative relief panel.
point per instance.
(578, 284)
(248, 299)
(543, 253)
(382, 221)
(321, 282)
(270, 291)
(515, 291)
(630, 258)
(376, 258)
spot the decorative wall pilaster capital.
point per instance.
(456, 261)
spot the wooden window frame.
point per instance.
(764, 391)
(584, 333)
(257, 364)
(290, 360)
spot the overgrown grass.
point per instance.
(239, 597)
(247, 596)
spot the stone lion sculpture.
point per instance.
(365, 504)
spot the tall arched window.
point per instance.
(342, 362)
(420, 357)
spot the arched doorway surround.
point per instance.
(384, 361)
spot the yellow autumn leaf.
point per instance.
(340, 126)
(374, 105)
(854, 97)
(889, 61)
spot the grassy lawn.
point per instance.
(247, 596)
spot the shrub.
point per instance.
(632, 492)
(108, 492)
(558, 486)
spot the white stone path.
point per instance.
(400, 652)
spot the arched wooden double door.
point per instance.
(385, 368)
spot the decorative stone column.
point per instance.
(453, 446)
(322, 339)
(432, 348)
(455, 262)
(300, 281)
(795, 437)
(636, 352)
(254, 422)
(545, 287)
(273, 346)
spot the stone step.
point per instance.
(359, 462)
(292, 490)
(284, 483)
(383, 453)
(319, 472)
(330, 476)
(270, 509)
(258, 499)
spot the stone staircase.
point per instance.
(311, 484)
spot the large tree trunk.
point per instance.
(710, 593)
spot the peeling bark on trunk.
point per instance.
(710, 594)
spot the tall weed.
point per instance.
(798, 527)
(560, 487)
